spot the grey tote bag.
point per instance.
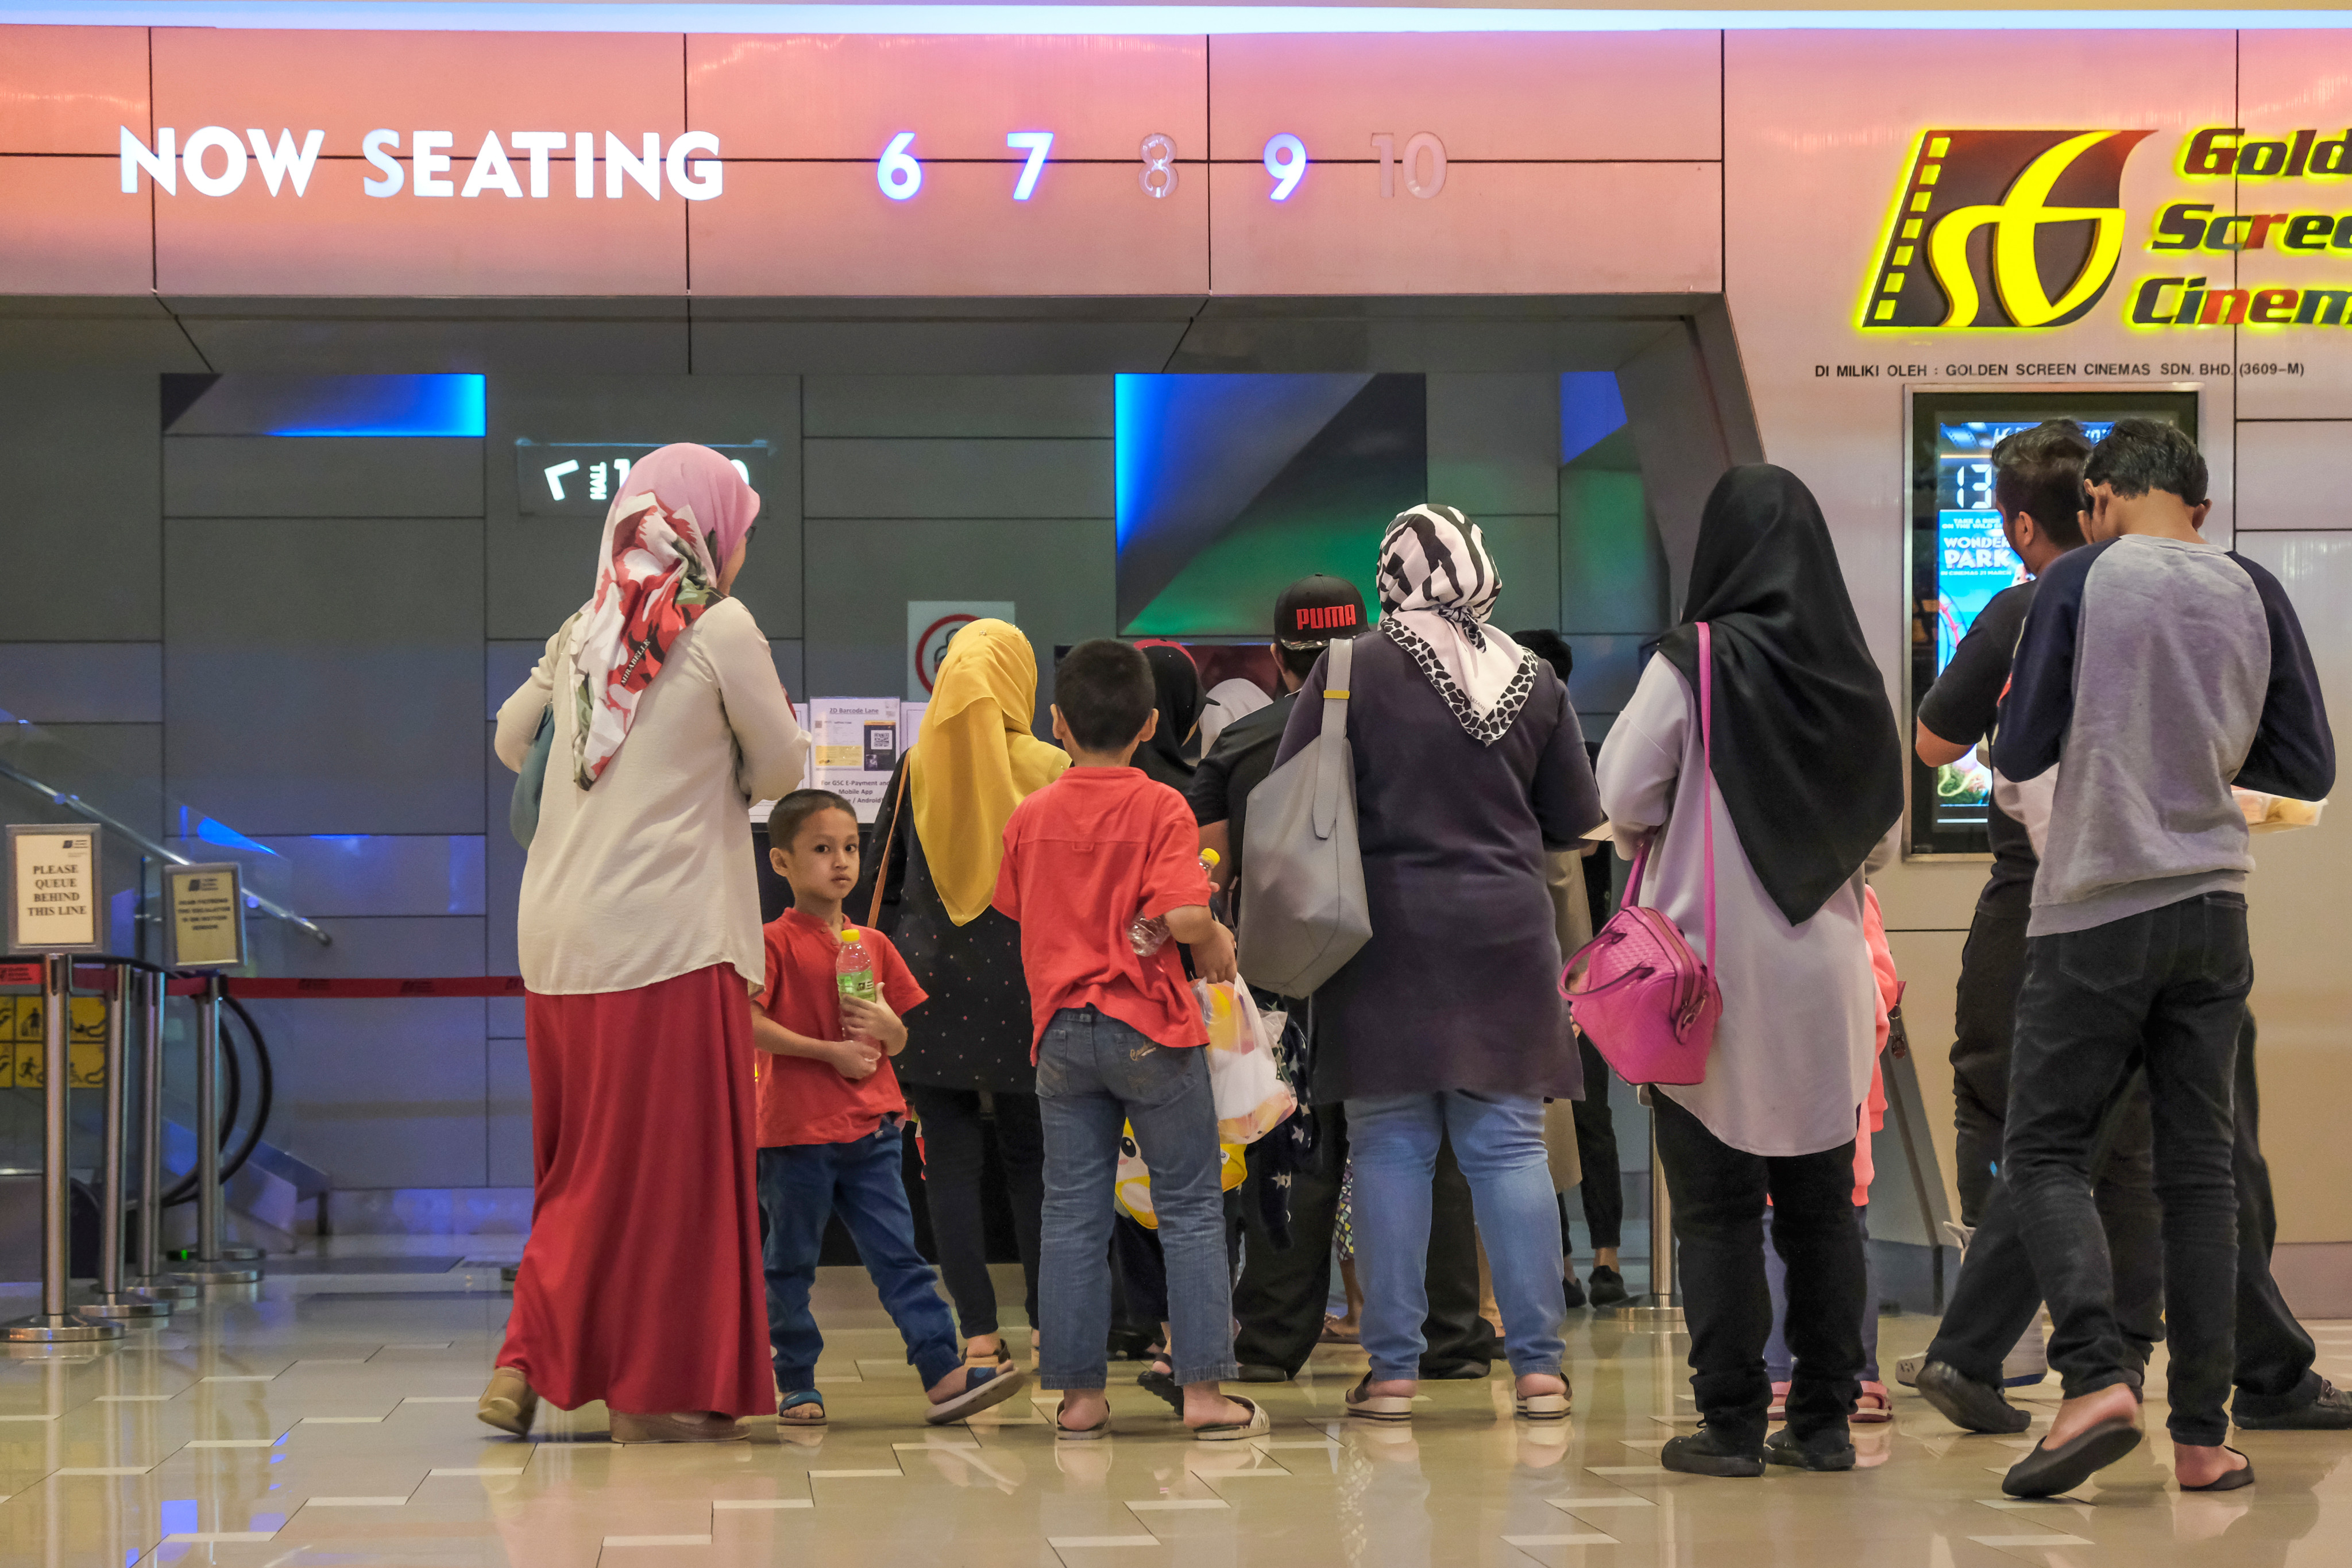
(1303, 910)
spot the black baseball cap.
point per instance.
(1314, 610)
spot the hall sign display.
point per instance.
(2008, 229)
(257, 163)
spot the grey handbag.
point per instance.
(1303, 909)
(531, 782)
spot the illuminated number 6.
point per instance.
(897, 174)
(1285, 160)
(1158, 174)
(1424, 142)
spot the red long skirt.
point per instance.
(641, 1284)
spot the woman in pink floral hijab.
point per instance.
(638, 931)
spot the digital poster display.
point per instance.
(1960, 559)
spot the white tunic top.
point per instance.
(650, 875)
(1793, 1055)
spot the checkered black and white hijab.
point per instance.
(1437, 583)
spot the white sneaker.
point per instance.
(1906, 1370)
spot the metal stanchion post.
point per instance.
(53, 1324)
(113, 1301)
(208, 1264)
(151, 1282)
(1660, 1309)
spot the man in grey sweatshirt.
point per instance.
(2159, 670)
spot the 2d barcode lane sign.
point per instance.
(581, 478)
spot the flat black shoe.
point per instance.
(1572, 1291)
(1253, 1372)
(1828, 1449)
(2229, 1480)
(2047, 1471)
(1965, 1403)
(1608, 1287)
(1706, 1452)
(2331, 1411)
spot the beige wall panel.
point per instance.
(846, 97)
(2288, 80)
(1492, 96)
(1492, 228)
(70, 230)
(69, 89)
(1815, 149)
(1929, 964)
(828, 230)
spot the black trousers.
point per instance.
(1602, 1190)
(2162, 991)
(1996, 1295)
(955, 1154)
(2123, 1182)
(1718, 1195)
(1282, 1293)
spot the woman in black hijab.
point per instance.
(1176, 692)
(1807, 777)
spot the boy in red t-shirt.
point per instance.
(829, 1113)
(1117, 1038)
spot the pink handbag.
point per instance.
(1643, 999)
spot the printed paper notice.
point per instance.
(204, 918)
(857, 748)
(57, 891)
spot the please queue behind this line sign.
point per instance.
(53, 888)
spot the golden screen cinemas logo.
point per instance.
(2002, 228)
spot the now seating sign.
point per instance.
(53, 888)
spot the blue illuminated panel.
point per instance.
(394, 406)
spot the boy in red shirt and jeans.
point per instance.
(1118, 1039)
(829, 1116)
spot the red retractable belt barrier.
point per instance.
(101, 978)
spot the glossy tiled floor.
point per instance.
(325, 1420)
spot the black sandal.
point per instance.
(2047, 1471)
(1160, 1378)
(2229, 1480)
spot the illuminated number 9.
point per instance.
(1285, 160)
(897, 174)
(1158, 174)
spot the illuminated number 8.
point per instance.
(1158, 177)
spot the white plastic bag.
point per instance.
(1251, 1095)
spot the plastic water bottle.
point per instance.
(1149, 933)
(853, 973)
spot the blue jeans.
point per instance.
(1498, 1138)
(1094, 1073)
(801, 1185)
(1779, 1364)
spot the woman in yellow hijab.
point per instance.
(936, 846)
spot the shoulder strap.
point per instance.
(882, 860)
(1338, 670)
(1339, 667)
(1706, 769)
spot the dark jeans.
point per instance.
(1602, 1190)
(2164, 992)
(1282, 1293)
(1718, 1195)
(1992, 968)
(955, 1154)
(801, 1185)
(1998, 1295)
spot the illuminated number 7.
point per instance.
(1037, 143)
